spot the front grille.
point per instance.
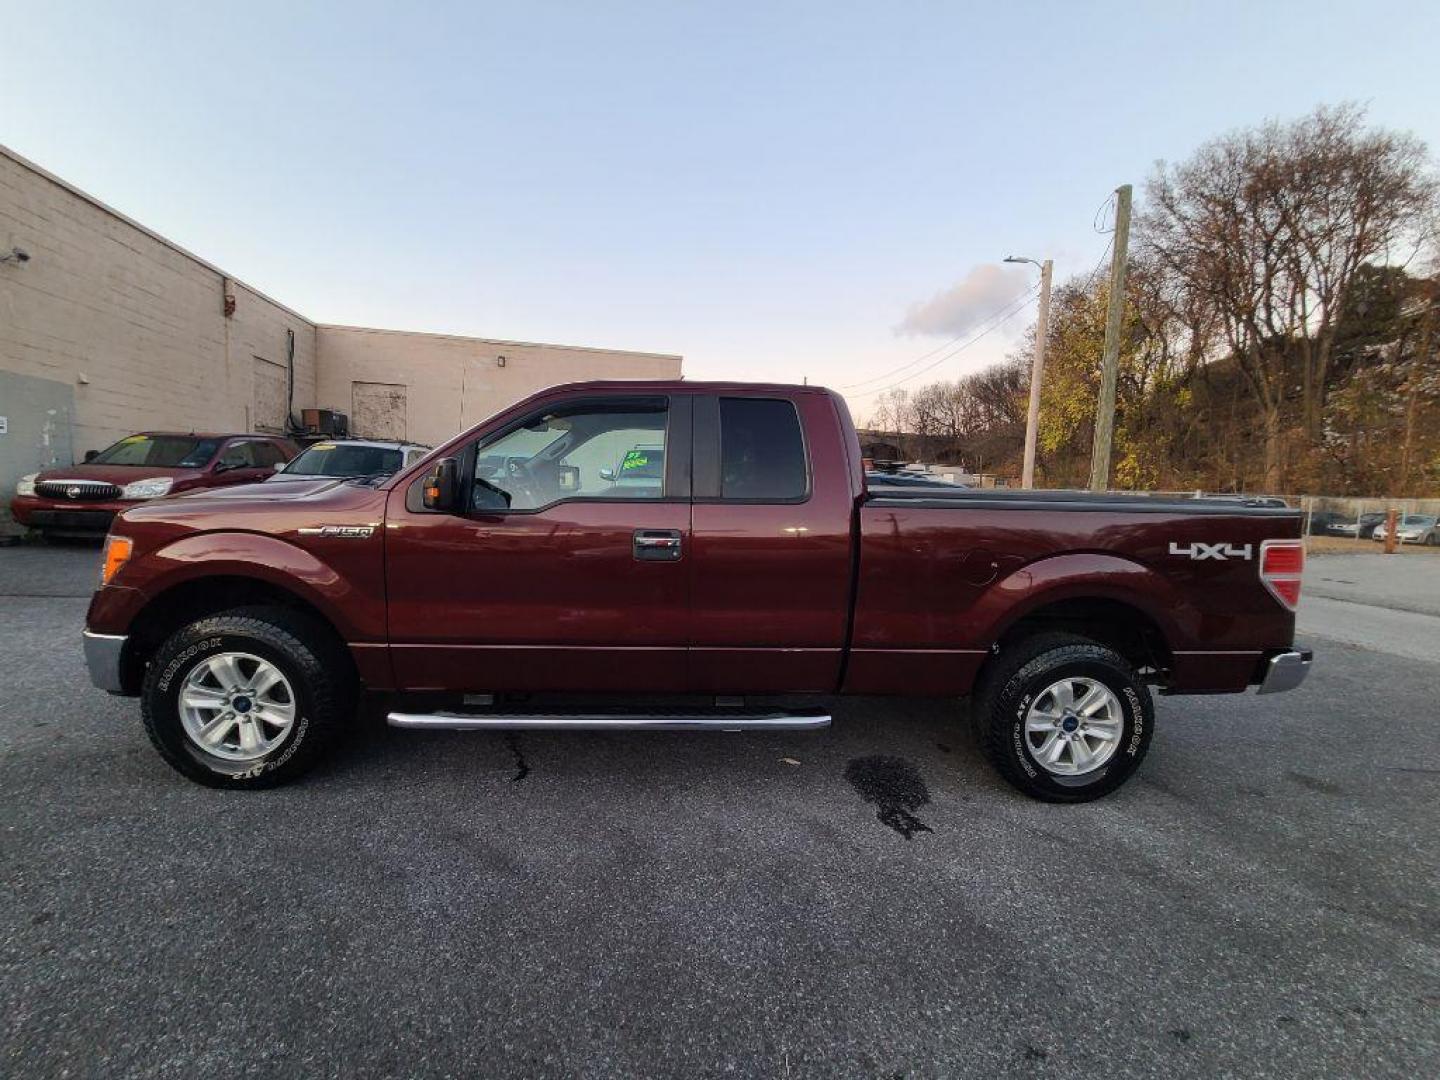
(77, 490)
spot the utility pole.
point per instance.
(1037, 370)
(1105, 415)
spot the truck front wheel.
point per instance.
(247, 698)
(1063, 718)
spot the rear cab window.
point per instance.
(762, 451)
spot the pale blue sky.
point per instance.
(766, 188)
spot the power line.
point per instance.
(908, 363)
(1089, 281)
(1001, 315)
(1101, 211)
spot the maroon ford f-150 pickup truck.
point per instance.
(712, 542)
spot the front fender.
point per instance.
(1088, 576)
(264, 558)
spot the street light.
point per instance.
(1042, 322)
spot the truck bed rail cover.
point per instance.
(1087, 502)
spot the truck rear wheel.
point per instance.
(249, 698)
(1063, 718)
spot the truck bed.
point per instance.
(942, 578)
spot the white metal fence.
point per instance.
(1345, 515)
(1328, 515)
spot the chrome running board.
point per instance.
(719, 719)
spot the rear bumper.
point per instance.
(102, 658)
(1285, 670)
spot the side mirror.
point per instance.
(280, 466)
(607, 473)
(91, 455)
(440, 492)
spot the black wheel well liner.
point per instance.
(1121, 626)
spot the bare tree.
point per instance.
(1267, 229)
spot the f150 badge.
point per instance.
(347, 532)
(1201, 552)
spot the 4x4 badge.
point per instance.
(1201, 552)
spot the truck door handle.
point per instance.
(657, 545)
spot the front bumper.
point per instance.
(82, 517)
(1286, 670)
(102, 658)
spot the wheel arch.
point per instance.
(1118, 602)
(1119, 624)
(196, 597)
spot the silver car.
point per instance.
(1414, 529)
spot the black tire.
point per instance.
(1025, 670)
(314, 663)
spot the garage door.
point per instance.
(377, 410)
(267, 409)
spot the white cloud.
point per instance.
(986, 290)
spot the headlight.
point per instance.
(26, 486)
(147, 489)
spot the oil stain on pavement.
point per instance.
(895, 787)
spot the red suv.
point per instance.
(81, 499)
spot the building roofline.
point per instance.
(38, 170)
(469, 339)
(60, 182)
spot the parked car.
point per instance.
(349, 458)
(642, 466)
(1248, 500)
(248, 621)
(1412, 529)
(1362, 529)
(901, 479)
(1321, 520)
(82, 499)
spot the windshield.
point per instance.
(339, 459)
(159, 451)
(1418, 519)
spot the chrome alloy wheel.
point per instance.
(237, 706)
(1074, 726)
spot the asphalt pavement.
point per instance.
(1260, 900)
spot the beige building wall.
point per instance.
(133, 323)
(449, 383)
(108, 329)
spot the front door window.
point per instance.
(602, 453)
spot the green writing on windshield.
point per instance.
(635, 459)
